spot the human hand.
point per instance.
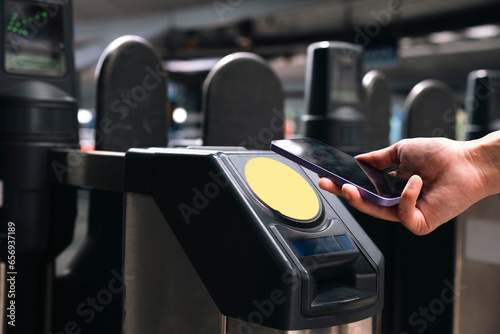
(445, 177)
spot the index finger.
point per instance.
(382, 158)
(354, 198)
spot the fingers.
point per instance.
(405, 212)
(354, 198)
(408, 212)
(381, 159)
(330, 186)
(351, 193)
(403, 172)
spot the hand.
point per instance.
(445, 177)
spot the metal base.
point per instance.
(366, 326)
(476, 288)
(164, 293)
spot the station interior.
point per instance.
(139, 193)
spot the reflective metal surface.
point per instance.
(366, 326)
(477, 287)
(163, 292)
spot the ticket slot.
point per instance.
(337, 277)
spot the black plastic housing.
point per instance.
(38, 112)
(334, 95)
(482, 103)
(243, 250)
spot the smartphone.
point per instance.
(373, 184)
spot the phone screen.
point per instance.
(326, 160)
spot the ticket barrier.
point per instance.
(38, 112)
(334, 96)
(482, 103)
(130, 111)
(131, 101)
(430, 111)
(225, 240)
(242, 103)
(478, 228)
(82, 300)
(352, 112)
(377, 109)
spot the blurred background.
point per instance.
(408, 40)
(437, 56)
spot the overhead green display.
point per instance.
(33, 38)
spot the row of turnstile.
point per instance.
(210, 254)
(168, 298)
(198, 239)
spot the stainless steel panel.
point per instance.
(163, 291)
(477, 288)
(366, 326)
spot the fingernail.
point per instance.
(413, 181)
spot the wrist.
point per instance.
(485, 153)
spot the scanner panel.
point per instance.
(313, 272)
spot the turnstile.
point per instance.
(482, 102)
(478, 228)
(131, 110)
(242, 103)
(225, 240)
(377, 109)
(38, 112)
(334, 96)
(430, 111)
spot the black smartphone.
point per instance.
(373, 184)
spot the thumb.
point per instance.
(408, 212)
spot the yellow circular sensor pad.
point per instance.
(282, 189)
